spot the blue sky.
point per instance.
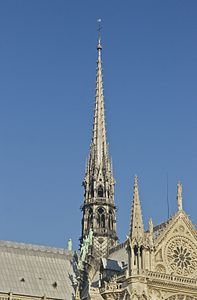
(47, 84)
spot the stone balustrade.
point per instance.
(168, 277)
(115, 287)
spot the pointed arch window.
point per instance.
(101, 217)
(92, 190)
(100, 191)
(90, 218)
(110, 220)
(135, 249)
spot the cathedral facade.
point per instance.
(159, 263)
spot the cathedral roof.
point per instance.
(119, 253)
(36, 271)
(110, 264)
(158, 229)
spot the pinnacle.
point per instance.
(136, 227)
(179, 196)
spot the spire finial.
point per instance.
(99, 130)
(179, 196)
(135, 183)
(99, 47)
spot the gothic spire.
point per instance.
(136, 225)
(99, 131)
(99, 211)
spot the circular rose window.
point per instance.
(181, 256)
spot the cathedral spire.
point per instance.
(99, 211)
(99, 131)
(136, 225)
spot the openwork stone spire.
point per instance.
(99, 163)
(136, 225)
(99, 212)
(99, 131)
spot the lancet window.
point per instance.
(110, 220)
(90, 218)
(100, 191)
(101, 217)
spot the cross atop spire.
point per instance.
(136, 226)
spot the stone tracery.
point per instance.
(181, 257)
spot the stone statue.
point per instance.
(87, 242)
(150, 237)
(150, 226)
(179, 196)
(70, 245)
(90, 236)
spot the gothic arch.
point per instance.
(90, 218)
(111, 220)
(92, 189)
(101, 217)
(100, 191)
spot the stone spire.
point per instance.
(179, 196)
(99, 212)
(99, 161)
(136, 225)
(136, 239)
(99, 144)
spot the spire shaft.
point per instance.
(99, 131)
(136, 227)
(99, 211)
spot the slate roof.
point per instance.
(158, 229)
(36, 271)
(119, 253)
(112, 265)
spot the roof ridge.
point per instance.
(34, 247)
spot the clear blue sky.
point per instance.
(47, 84)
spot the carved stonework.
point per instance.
(125, 295)
(181, 256)
(160, 268)
(158, 256)
(181, 297)
(181, 228)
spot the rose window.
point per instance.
(181, 256)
